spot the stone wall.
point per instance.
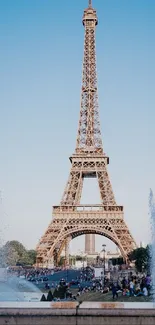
(70, 313)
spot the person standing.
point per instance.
(114, 291)
(131, 286)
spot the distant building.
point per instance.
(109, 255)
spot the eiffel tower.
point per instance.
(70, 218)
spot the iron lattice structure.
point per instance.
(70, 219)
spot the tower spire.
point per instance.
(89, 133)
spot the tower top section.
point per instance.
(89, 140)
(90, 16)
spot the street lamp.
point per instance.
(103, 250)
(66, 275)
(83, 258)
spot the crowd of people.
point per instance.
(137, 285)
(86, 275)
(32, 273)
(130, 284)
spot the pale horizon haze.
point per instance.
(40, 80)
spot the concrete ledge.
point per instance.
(37, 312)
(116, 305)
(71, 313)
(40, 305)
(77, 305)
(118, 312)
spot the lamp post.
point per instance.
(103, 250)
(84, 260)
(66, 275)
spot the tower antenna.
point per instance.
(90, 3)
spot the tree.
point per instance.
(72, 259)
(117, 261)
(32, 254)
(17, 246)
(8, 256)
(50, 296)
(113, 261)
(97, 259)
(79, 258)
(14, 253)
(141, 257)
(43, 298)
(61, 261)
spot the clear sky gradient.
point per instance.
(40, 79)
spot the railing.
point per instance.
(87, 207)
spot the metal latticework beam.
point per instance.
(70, 219)
(88, 167)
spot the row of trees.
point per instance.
(14, 253)
(61, 292)
(140, 256)
(117, 261)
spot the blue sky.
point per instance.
(41, 65)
